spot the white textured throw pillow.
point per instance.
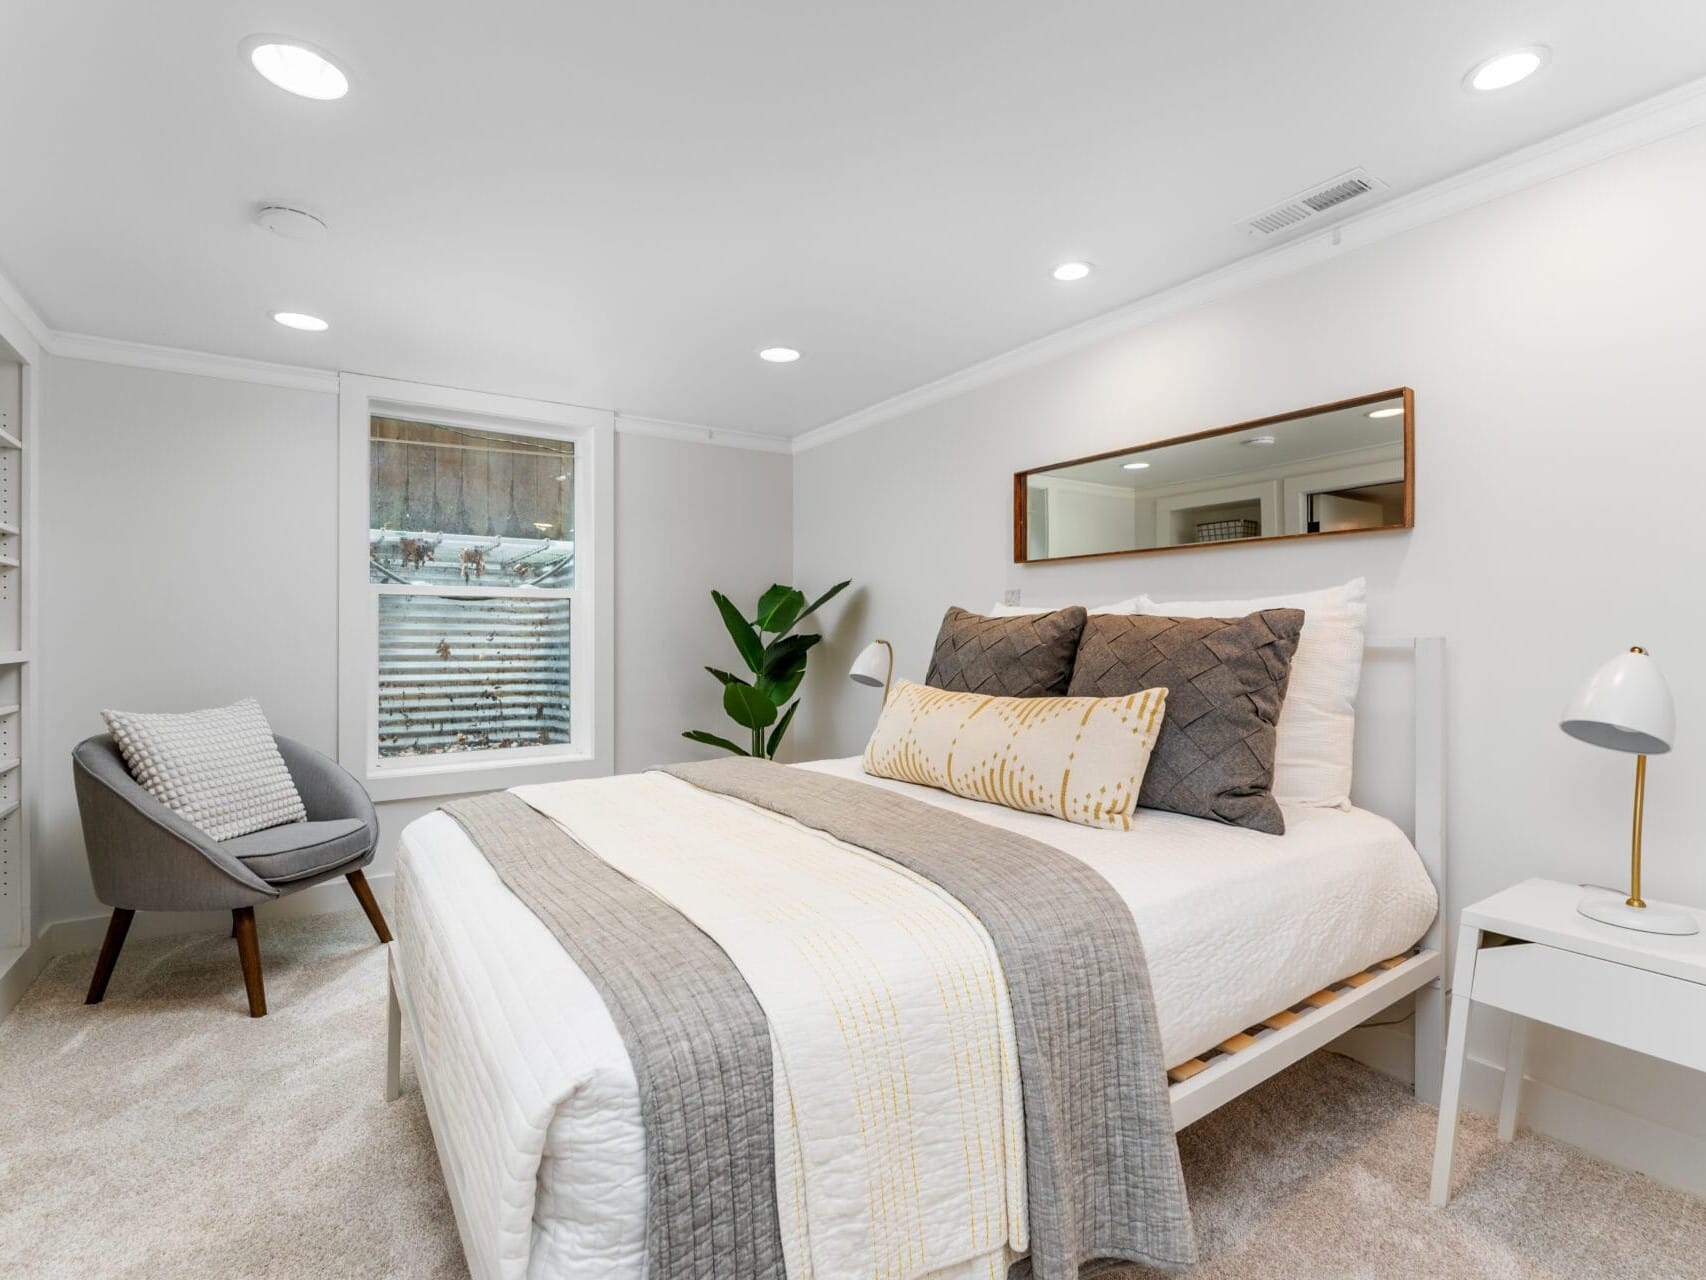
(1317, 724)
(219, 770)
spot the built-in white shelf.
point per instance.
(9, 711)
(13, 658)
(9, 441)
(11, 529)
(9, 763)
(8, 809)
(8, 562)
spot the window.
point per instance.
(469, 589)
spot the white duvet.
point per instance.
(535, 1098)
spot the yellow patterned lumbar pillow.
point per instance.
(1081, 759)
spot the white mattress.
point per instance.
(1235, 926)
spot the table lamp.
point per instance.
(1626, 706)
(874, 666)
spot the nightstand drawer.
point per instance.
(1647, 1012)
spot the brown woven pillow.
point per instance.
(1028, 656)
(1225, 681)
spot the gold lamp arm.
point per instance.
(1635, 844)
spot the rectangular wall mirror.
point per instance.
(1346, 467)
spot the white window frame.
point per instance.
(590, 751)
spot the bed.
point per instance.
(1260, 950)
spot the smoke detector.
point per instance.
(1314, 204)
(292, 224)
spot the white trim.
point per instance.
(1650, 121)
(691, 433)
(21, 327)
(592, 750)
(145, 355)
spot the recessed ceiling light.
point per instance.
(1391, 411)
(1506, 69)
(300, 320)
(1136, 466)
(1070, 271)
(296, 67)
(1259, 442)
(292, 224)
(779, 355)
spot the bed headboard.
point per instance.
(1400, 748)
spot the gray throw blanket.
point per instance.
(697, 1039)
(1103, 1176)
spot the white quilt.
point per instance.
(899, 1125)
(536, 1102)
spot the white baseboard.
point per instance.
(1660, 1151)
(20, 966)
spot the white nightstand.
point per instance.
(1645, 991)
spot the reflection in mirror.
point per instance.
(1338, 468)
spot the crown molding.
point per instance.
(21, 326)
(692, 433)
(144, 355)
(1651, 120)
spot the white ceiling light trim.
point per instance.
(1067, 272)
(1653, 120)
(296, 67)
(1505, 69)
(291, 223)
(1392, 411)
(1136, 466)
(300, 320)
(779, 355)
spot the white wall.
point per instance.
(1555, 340)
(187, 558)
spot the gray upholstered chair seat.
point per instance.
(290, 852)
(143, 856)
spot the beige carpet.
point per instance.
(165, 1134)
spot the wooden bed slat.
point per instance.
(1243, 1040)
(1185, 1070)
(1393, 962)
(1281, 1020)
(1322, 998)
(1357, 979)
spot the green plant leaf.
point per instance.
(741, 631)
(712, 740)
(748, 707)
(824, 599)
(780, 690)
(782, 656)
(779, 730)
(725, 677)
(779, 608)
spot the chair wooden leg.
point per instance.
(249, 951)
(364, 895)
(117, 927)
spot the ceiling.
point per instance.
(617, 204)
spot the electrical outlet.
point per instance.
(1010, 596)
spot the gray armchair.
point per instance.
(144, 857)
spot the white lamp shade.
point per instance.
(1624, 706)
(872, 665)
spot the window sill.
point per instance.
(411, 782)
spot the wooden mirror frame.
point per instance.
(1021, 479)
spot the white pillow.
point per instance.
(1317, 724)
(1020, 610)
(219, 770)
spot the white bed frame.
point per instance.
(1270, 1050)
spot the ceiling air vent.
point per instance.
(1313, 204)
